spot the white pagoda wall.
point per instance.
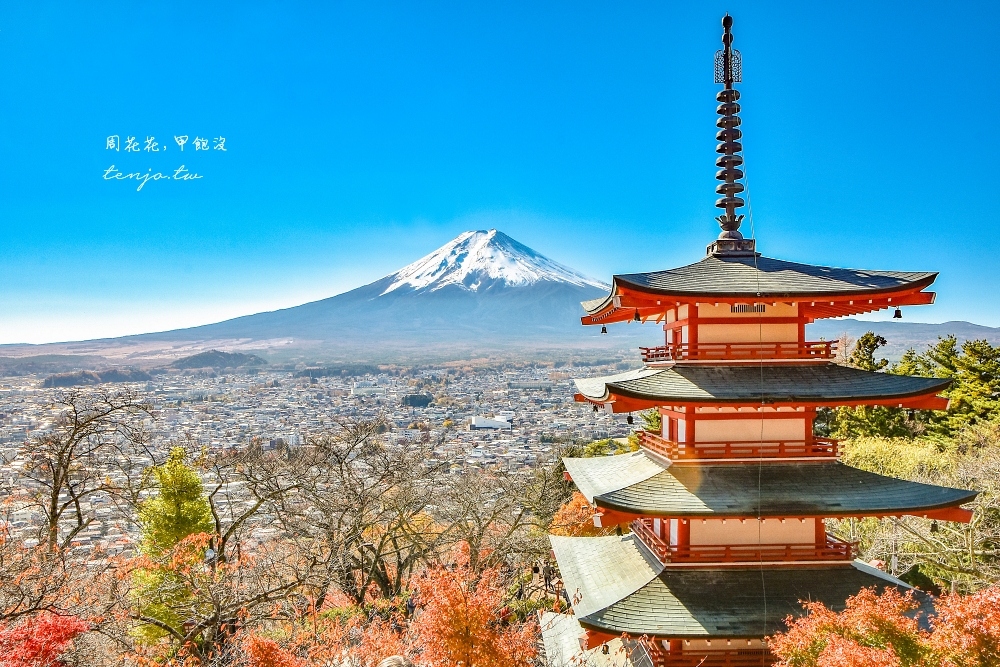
(748, 333)
(751, 531)
(750, 430)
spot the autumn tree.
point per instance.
(201, 605)
(363, 518)
(248, 489)
(460, 622)
(885, 630)
(501, 516)
(95, 431)
(957, 556)
(32, 579)
(39, 641)
(203, 572)
(576, 519)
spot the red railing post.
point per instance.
(727, 351)
(820, 447)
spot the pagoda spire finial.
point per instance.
(728, 70)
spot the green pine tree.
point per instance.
(869, 420)
(652, 421)
(179, 508)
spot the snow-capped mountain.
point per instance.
(480, 292)
(480, 260)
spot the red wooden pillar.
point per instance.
(692, 328)
(820, 532)
(683, 533)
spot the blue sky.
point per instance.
(360, 136)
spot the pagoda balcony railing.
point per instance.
(749, 657)
(822, 349)
(692, 451)
(832, 549)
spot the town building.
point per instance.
(724, 510)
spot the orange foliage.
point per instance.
(575, 519)
(460, 620)
(330, 641)
(967, 629)
(267, 653)
(883, 631)
(381, 639)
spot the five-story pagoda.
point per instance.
(727, 504)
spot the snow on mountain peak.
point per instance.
(480, 259)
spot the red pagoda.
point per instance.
(726, 506)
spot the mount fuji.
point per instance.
(480, 292)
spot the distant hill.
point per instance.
(48, 363)
(217, 359)
(83, 378)
(902, 335)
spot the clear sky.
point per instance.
(360, 136)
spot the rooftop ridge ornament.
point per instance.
(729, 70)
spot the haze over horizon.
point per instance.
(359, 139)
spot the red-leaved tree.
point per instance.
(576, 519)
(463, 619)
(883, 631)
(38, 641)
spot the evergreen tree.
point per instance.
(869, 420)
(179, 508)
(863, 354)
(652, 421)
(974, 394)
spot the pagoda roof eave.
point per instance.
(616, 586)
(756, 384)
(738, 278)
(642, 484)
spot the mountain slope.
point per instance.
(483, 288)
(901, 335)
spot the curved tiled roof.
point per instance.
(612, 473)
(807, 488)
(616, 586)
(599, 571)
(687, 603)
(774, 383)
(763, 277)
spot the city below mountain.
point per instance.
(477, 295)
